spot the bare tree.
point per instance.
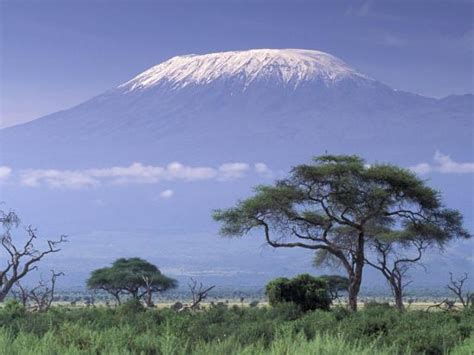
(42, 295)
(445, 305)
(394, 264)
(198, 293)
(20, 259)
(21, 294)
(457, 287)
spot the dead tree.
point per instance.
(198, 294)
(20, 258)
(42, 295)
(21, 294)
(457, 287)
(445, 305)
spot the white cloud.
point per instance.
(263, 170)
(136, 173)
(5, 172)
(57, 178)
(422, 168)
(166, 193)
(232, 171)
(443, 163)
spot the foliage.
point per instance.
(219, 329)
(131, 307)
(337, 204)
(306, 291)
(133, 276)
(335, 285)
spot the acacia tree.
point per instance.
(134, 276)
(331, 207)
(19, 257)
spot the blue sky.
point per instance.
(55, 54)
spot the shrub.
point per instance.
(130, 307)
(306, 291)
(253, 304)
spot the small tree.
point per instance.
(135, 277)
(336, 284)
(332, 206)
(393, 257)
(43, 294)
(457, 286)
(306, 291)
(198, 294)
(21, 257)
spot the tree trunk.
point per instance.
(3, 294)
(352, 299)
(354, 286)
(6, 286)
(399, 302)
(398, 295)
(117, 298)
(355, 279)
(149, 299)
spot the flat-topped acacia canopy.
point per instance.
(334, 205)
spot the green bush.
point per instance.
(131, 307)
(306, 291)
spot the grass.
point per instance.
(220, 329)
(118, 341)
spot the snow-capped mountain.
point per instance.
(287, 67)
(233, 105)
(277, 107)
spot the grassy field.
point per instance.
(286, 342)
(224, 329)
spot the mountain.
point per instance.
(274, 107)
(209, 107)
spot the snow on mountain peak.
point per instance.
(290, 67)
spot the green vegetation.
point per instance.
(305, 291)
(218, 329)
(336, 285)
(135, 277)
(338, 206)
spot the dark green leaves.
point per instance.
(128, 276)
(342, 191)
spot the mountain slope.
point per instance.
(258, 103)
